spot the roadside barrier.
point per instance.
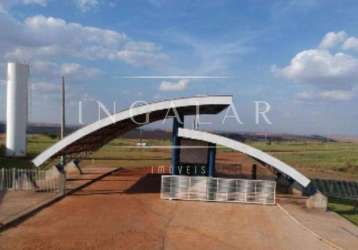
(15, 179)
(337, 188)
(218, 189)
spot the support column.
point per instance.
(254, 172)
(62, 178)
(211, 159)
(177, 123)
(63, 127)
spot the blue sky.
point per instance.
(299, 56)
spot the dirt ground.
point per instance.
(240, 165)
(17, 203)
(124, 211)
(14, 203)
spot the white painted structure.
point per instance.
(33, 180)
(202, 188)
(245, 149)
(17, 108)
(95, 135)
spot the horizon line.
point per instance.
(174, 77)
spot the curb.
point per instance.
(327, 242)
(16, 220)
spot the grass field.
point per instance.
(313, 158)
(334, 155)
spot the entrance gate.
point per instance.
(202, 188)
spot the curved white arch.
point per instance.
(246, 149)
(93, 136)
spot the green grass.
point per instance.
(333, 156)
(344, 208)
(115, 153)
(337, 157)
(120, 152)
(36, 144)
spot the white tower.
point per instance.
(16, 110)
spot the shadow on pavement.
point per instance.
(150, 183)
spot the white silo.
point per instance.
(16, 108)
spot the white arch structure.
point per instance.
(97, 134)
(246, 149)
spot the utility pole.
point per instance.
(140, 137)
(195, 122)
(63, 107)
(63, 126)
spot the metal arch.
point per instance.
(246, 149)
(95, 135)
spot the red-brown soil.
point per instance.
(124, 211)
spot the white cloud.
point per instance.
(212, 58)
(332, 39)
(336, 95)
(86, 5)
(327, 95)
(174, 86)
(78, 71)
(7, 4)
(51, 70)
(144, 53)
(45, 87)
(50, 37)
(14, 33)
(44, 68)
(351, 43)
(305, 95)
(317, 66)
(334, 74)
(71, 68)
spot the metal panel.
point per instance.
(193, 152)
(337, 189)
(34, 180)
(196, 188)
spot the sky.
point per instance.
(300, 56)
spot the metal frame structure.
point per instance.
(92, 137)
(194, 188)
(248, 150)
(35, 180)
